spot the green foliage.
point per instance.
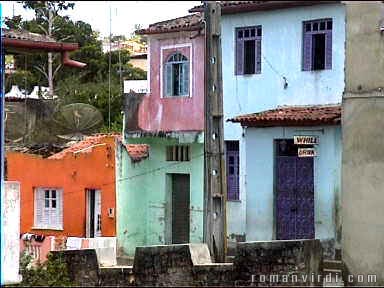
(53, 272)
(72, 85)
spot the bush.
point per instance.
(53, 272)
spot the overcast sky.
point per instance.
(125, 14)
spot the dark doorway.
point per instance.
(294, 193)
(180, 208)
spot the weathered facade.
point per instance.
(71, 193)
(160, 199)
(363, 158)
(281, 73)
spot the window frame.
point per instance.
(236, 165)
(239, 45)
(165, 52)
(307, 44)
(46, 222)
(181, 64)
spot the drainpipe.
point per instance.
(69, 62)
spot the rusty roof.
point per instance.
(25, 35)
(85, 145)
(293, 116)
(137, 152)
(16, 40)
(186, 23)
(228, 7)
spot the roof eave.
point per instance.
(39, 45)
(271, 5)
(163, 31)
(286, 123)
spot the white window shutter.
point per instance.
(185, 79)
(59, 209)
(168, 79)
(39, 207)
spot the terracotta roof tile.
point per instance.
(245, 6)
(85, 144)
(137, 152)
(25, 35)
(186, 23)
(292, 116)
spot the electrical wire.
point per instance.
(117, 181)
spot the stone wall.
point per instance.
(257, 261)
(190, 265)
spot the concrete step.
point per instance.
(229, 259)
(333, 264)
(124, 260)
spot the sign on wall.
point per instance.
(305, 140)
(137, 86)
(306, 152)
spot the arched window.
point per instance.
(176, 76)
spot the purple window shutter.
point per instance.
(307, 52)
(328, 50)
(232, 175)
(239, 57)
(258, 56)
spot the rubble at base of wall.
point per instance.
(191, 265)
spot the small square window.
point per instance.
(315, 26)
(53, 194)
(46, 193)
(46, 203)
(329, 25)
(252, 32)
(240, 34)
(259, 32)
(53, 203)
(322, 25)
(246, 33)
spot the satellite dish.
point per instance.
(78, 120)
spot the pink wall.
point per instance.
(174, 113)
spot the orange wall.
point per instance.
(74, 174)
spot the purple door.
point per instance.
(295, 195)
(232, 160)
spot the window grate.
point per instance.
(178, 153)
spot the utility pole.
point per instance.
(215, 174)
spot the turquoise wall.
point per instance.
(144, 191)
(281, 56)
(259, 157)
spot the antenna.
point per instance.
(109, 69)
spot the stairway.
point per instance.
(332, 273)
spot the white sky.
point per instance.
(125, 14)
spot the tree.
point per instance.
(87, 85)
(46, 12)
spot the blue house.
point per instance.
(284, 65)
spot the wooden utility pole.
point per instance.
(215, 175)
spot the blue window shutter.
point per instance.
(239, 57)
(258, 56)
(307, 52)
(185, 79)
(328, 50)
(168, 80)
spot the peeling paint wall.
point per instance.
(158, 113)
(143, 194)
(11, 229)
(94, 169)
(281, 48)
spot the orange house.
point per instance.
(71, 193)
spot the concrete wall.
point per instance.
(144, 190)
(260, 217)
(11, 230)
(281, 47)
(158, 113)
(363, 157)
